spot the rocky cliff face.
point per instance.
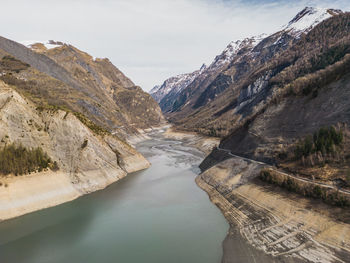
(87, 162)
(67, 77)
(75, 147)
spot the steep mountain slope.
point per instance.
(154, 92)
(87, 161)
(77, 81)
(66, 104)
(308, 90)
(284, 162)
(205, 104)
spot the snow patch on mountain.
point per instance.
(308, 18)
(232, 50)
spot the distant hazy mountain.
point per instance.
(169, 90)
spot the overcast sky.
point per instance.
(150, 40)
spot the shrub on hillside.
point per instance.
(304, 188)
(90, 124)
(10, 63)
(19, 160)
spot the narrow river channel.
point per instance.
(156, 215)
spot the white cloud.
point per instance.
(149, 40)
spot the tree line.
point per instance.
(324, 140)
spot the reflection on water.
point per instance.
(157, 215)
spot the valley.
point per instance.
(279, 104)
(95, 169)
(155, 215)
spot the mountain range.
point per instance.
(229, 82)
(264, 95)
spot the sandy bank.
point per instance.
(25, 194)
(203, 143)
(28, 193)
(281, 224)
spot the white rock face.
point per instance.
(155, 89)
(247, 94)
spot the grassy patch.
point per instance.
(10, 63)
(91, 125)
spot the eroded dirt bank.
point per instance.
(24, 194)
(284, 225)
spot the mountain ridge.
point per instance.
(191, 107)
(93, 87)
(239, 50)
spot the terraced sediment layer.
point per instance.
(283, 225)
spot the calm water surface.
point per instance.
(157, 215)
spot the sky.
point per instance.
(150, 40)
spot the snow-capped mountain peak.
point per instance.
(308, 18)
(233, 49)
(249, 51)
